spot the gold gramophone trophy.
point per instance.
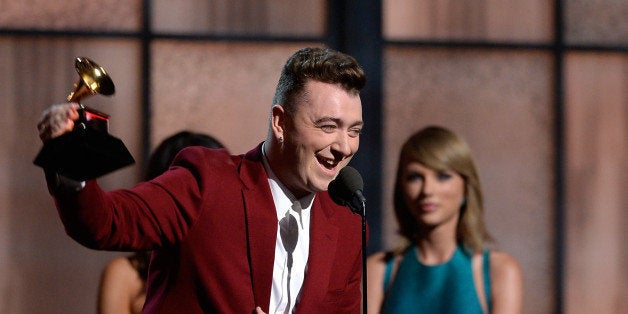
(88, 151)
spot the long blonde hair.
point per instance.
(441, 149)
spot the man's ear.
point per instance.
(278, 122)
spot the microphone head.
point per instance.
(346, 184)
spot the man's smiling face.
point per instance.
(320, 138)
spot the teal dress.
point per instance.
(439, 289)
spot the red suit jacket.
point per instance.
(212, 224)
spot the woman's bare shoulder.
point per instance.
(378, 257)
(506, 283)
(503, 264)
(376, 261)
(120, 268)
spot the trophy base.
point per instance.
(84, 154)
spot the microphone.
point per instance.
(346, 190)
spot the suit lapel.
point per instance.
(261, 226)
(323, 240)
(261, 222)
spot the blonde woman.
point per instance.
(446, 265)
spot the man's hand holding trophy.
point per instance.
(77, 143)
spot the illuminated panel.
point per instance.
(507, 20)
(241, 17)
(602, 22)
(102, 15)
(596, 167)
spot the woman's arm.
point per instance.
(506, 284)
(375, 267)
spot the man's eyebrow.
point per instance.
(337, 121)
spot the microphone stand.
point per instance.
(358, 206)
(346, 190)
(364, 294)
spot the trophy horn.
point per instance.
(93, 79)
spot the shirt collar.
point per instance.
(283, 198)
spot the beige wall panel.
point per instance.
(224, 89)
(119, 15)
(42, 270)
(603, 22)
(497, 20)
(597, 163)
(501, 103)
(260, 17)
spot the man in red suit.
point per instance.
(237, 234)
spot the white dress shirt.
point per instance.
(287, 204)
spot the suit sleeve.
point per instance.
(150, 215)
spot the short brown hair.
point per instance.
(320, 64)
